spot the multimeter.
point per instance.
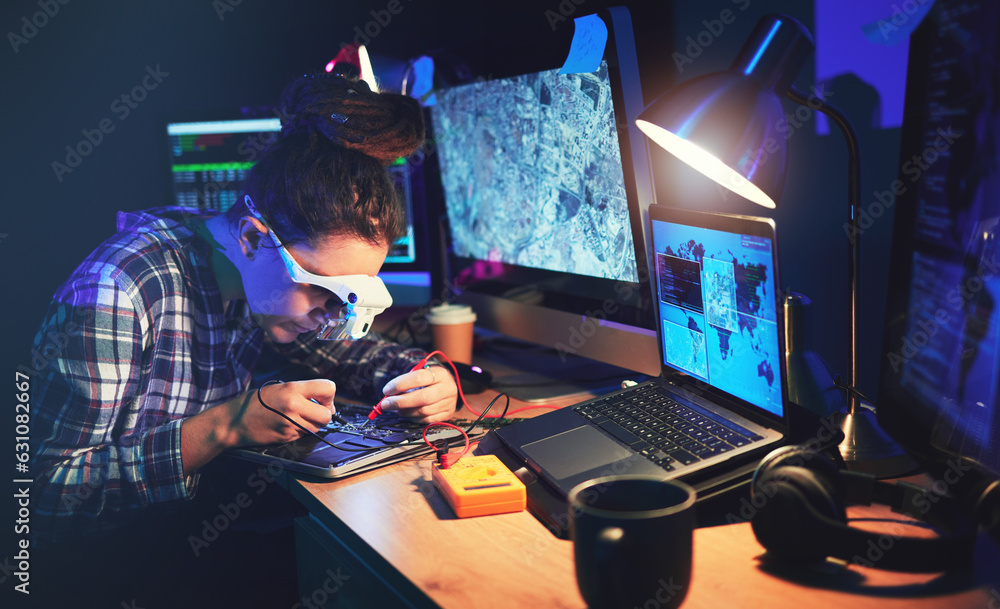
(480, 485)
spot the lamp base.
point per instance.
(868, 449)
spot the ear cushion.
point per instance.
(800, 456)
(798, 509)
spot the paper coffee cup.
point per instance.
(451, 331)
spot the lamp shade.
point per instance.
(730, 125)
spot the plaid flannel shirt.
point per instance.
(134, 342)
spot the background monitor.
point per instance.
(208, 160)
(545, 182)
(941, 355)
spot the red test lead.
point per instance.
(377, 409)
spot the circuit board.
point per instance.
(358, 444)
(388, 428)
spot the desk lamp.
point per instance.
(727, 125)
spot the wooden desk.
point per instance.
(388, 539)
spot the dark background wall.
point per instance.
(221, 55)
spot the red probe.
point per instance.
(377, 409)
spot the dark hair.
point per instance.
(326, 173)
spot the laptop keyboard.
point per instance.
(663, 430)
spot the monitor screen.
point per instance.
(545, 183)
(540, 185)
(716, 293)
(209, 159)
(941, 354)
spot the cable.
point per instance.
(487, 409)
(306, 429)
(517, 410)
(448, 459)
(377, 409)
(466, 403)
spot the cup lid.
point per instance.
(451, 314)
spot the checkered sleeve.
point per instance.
(103, 450)
(360, 368)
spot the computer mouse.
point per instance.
(473, 379)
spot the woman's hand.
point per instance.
(426, 395)
(256, 425)
(243, 420)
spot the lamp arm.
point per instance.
(853, 232)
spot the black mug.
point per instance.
(632, 538)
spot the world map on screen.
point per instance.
(718, 310)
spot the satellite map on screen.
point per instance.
(532, 175)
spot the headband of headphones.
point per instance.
(803, 517)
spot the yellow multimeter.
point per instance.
(480, 486)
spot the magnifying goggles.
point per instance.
(362, 297)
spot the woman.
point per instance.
(167, 323)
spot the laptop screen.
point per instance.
(718, 309)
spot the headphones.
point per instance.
(802, 518)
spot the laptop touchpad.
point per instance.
(575, 451)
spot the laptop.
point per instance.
(355, 445)
(720, 401)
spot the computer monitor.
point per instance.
(940, 384)
(546, 184)
(208, 160)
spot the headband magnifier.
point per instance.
(362, 297)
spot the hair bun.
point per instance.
(384, 126)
